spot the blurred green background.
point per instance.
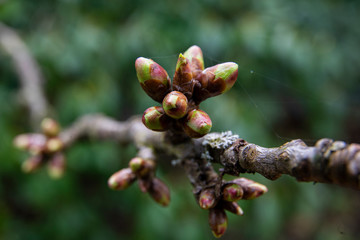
(298, 78)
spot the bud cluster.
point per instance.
(142, 170)
(180, 100)
(230, 192)
(45, 147)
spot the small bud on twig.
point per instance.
(159, 192)
(251, 188)
(183, 76)
(232, 192)
(197, 123)
(155, 119)
(207, 198)
(175, 104)
(50, 127)
(232, 207)
(195, 57)
(217, 221)
(53, 145)
(56, 165)
(31, 164)
(33, 142)
(141, 167)
(121, 179)
(153, 78)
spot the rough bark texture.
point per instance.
(327, 162)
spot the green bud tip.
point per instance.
(31, 164)
(21, 141)
(54, 145)
(207, 199)
(181, 61)
(232, 192)
(175, 104)
(228, 73)
(141, 167)
(155, 119)
(50, 127)
(56, 167)
(197, 123)
(159, 192)
(232, 207)
(217, 221)
(147, 69)
(194, 54)
(121, 179)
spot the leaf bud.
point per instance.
(141, 167)
(56, 165)
(159, 192)
(217, 221)
(195, 57)
(197, 123)
(232, 207)
(232, 192)
(54, 144)
(31, 164)
(155, 119)
(207, 198)
(121, 179)
(153, 78)
(175, 104)
(251, 188)
(50, 127)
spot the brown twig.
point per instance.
(29, 73)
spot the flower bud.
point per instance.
(159, 192)
(251, 189)
(197, 123)
(50, 127)
(31, 164)
(141, 167)
(232, 192)
(217, 221)
(175, 104)
(216, 80)
(232, 207)
(183, 76)
(207, 198)
(56, 165)
(54, 145)
(195, 57)
(35, 143)
(155, 119)
(144, 184)
(121, 179)
(153, 78)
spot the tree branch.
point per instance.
(328, 161)
(28, 71)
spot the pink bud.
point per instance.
(207, 198)
(159, 192)
(121, 179)
(217, 221)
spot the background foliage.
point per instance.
(298, 78)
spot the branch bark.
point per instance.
(29, 74)
(328, 161)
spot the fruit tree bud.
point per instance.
(159, 192)
(56, 165)
(232, 207)
(31, 164)
(195, 57)
(216, 80)
(50, 127)
(153, 78)
(121, 179)
(175, 104)
(54, 145)
(207, 198)
(251, 189)
(141, 167)
(155, 119)
(183, 76)
(35, 143)
(232, 192)
(197, 123)
(217, 221)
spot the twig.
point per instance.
(28, 71)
